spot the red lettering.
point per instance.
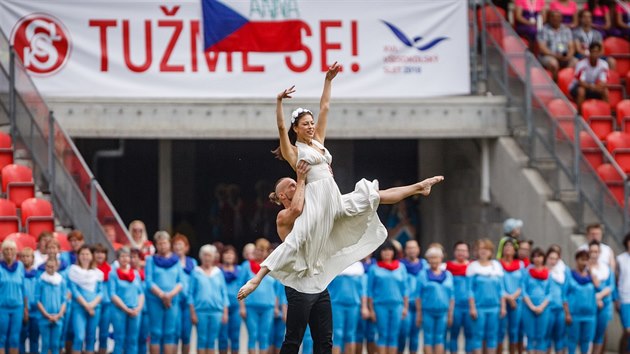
(102, 27)
(251, 68)
(212, 58)
(178, 26)
(307, 52)
(147, 47)
(194, 34)
(325, 45)
(171, 12)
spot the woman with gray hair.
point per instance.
(208, 300)
(13, 304)
(163, 277)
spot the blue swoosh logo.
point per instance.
(413, 43)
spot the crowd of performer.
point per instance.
(153, 294)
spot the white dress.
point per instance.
(333, 231)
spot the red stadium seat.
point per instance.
(613, 180)
(37, 216)
(494, 21)
(564, 114)
(6, 150)
(63, 241)
(619, 49)
(615, 89)
(9, 221)
(565, 77)
(17, 183)
(591, 151)
(618, 144)
(623, 115)
(23, 240)
(597, 114)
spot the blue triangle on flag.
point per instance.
(219, 21)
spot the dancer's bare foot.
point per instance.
(248, 288)
(424, 187)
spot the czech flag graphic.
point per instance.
(226, 30)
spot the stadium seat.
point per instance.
(23, 240)
(619, 49)
(6, 150)
(565, 77)
(613, 180)
(623, 115)
(562, 111)
(17, 183)
(62, 238)
(37, 216)
(597, 114)
(494, 21)
(592, 152)
(542, 85)
(615, 89)
(618, 144)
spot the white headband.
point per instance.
(297, 112)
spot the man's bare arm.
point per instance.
(286, 217)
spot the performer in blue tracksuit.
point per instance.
(486, 298)
(461, 315)
(347, 297)
(513, 270)
(559, 275)
(137, 261)
(409, 331)
(604, 295)
(127, 296)
(230, 332)
(581, 305)
(181, 247)
(52, 300)
(436, 301)
(30, 329)
(100, 257)
(86, 285)
(366, 328)
(208, 300)
(13, 302)
(623, 291)
(388, 307)
(76, 240)
(279, 326)
(536, 297)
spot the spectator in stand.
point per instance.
(595, 232)
(30, 328)
(536, 297)
(163, 277)
(52, 302)
(348, 299)
(524, 250)
(40, 253)
(585, 35)
(623, 291)
(568, 9)
(559, 273)
(606, 278)
(409, 331)
(622, 19)
(137, 261)
(591, 75)
(140, 239)
(513, 272)
(181, 247)
(100, 256)
(529, 16)
(127, 296)
(555, 44)
(580, 305)
(461, 315)
(601, 15)
(229, 338)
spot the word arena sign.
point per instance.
(240, 48)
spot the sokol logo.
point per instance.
(42, 43)
(416, 42)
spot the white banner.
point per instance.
(155, 49)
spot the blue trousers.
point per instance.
(126, 331)
(185, 324)
(103, 325)
(259, 322)
(231, 331)
(11, 327)
(345, 322)
(461, 319)
(145, 331)
(84, 328)
(434, 327)
(51, 335)
(536, 329)
(388, 319)
(366, 331)
(278, 328)
(485, 328)
(163, 322)
(30, 332)
(67, 333)
(409, 332)
(603, 318)
(557, 329)
(581, 332)
(511, 324)
(208, 329)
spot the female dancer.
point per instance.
(536, 295)
(486, 301)
(461, 316)
(435, 302)
(100, 256)
(13, 302)
(512, 281)
(314, 252)
(581, 305)
(347, 296)
(389, 307)
(559, 276)
(127, 296)
(181, 246)
(86, 284)
(163, 283)
(208, 300)
(51, 297)
(604, 295)
(230, 332)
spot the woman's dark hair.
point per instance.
(81, 249)
(387, 245)
(595, 45)
(461, 243)
(581, 254)
(511, 241)
(594, 243)
(277, 152)
(538, 252)
(100, 248)
(230, 248)
(626, 240)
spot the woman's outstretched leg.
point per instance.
(252, 284)
(396, 194)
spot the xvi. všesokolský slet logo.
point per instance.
(416, 42)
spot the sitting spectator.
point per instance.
(590, 77)
(556, 46)
(585, 35)
(622, 19)
(601, 15)
(568, 9)
(528, 16)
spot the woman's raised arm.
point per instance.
(287, 150)
(324, 103)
